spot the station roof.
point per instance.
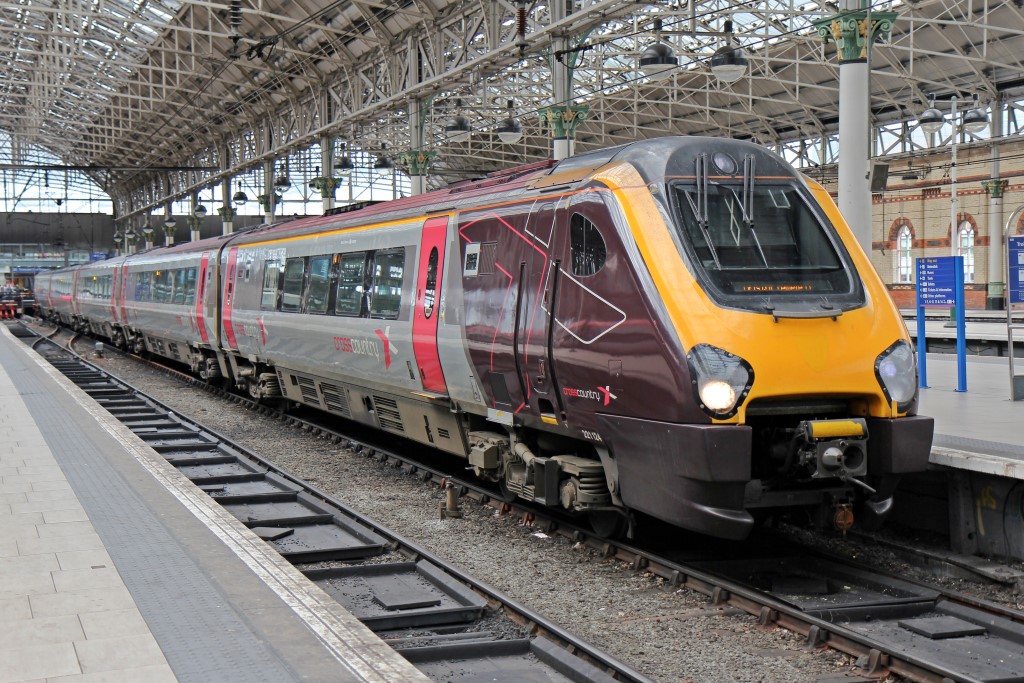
(127, 89)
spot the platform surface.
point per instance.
(114, 567)
(981, 429)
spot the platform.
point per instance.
(975, 491)
(981, 429)
(985, 331)
(114, 567)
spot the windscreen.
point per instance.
(759, 241)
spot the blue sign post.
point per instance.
(940, 282)
(1014, 296)
(1015, 271)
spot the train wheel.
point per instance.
(507, 494)
(608, 523)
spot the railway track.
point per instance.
(889, 624)
(449, 625)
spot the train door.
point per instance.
(429, 277)
(74, 293)
(124, 295)
(229, 296)
(115, 289)
(537, 278)
(590, 312)
(204, 267)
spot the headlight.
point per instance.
(897, 373)
(722, 379)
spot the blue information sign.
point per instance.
(1015, 271)
(940, 282)
(936, 281)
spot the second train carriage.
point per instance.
(684, 327)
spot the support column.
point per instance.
(563, 122)
(561, 78)
(561, 116)
(849, 30)
(327, 164)
(995, 300)
(269, 198)
(194, 221)
(169, 225)
(147, 232)
(416, 159)
(226, 211)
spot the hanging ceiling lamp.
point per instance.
(976, 118)
(383, 166)
(239, 197)
(729, 63)
(458, 129)
(509, 131)
(931, 119)
(658, 59)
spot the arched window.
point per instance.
(587, 245)
(904, 261)
(965, 248)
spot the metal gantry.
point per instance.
(158, 99)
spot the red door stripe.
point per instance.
(200, 295)
(425, 317)
(229, 295)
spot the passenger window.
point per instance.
(291, 294)
(386, 294)
(271, 277)
(162, 285)
(319, 287)
(351, 285)
(588, 250)
(190, 286)
(430, 290)
(179, 287)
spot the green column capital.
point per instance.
(995, 188)
(226, 213)
(325, 186)
(266, 199)
(417, 160)
(849, 30)
(563, 120)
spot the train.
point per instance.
(681, 327)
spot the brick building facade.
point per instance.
(911, 219)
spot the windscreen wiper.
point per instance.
(700, 207)
(747, 204)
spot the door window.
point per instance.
(291, 294)
(430, 290)
(588, 249)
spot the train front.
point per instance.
(790, 339)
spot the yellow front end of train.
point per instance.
(811, 355)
